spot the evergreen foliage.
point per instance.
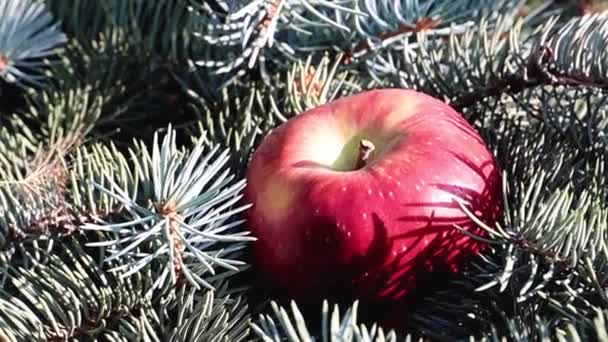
(126, 128)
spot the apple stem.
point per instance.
(366, 148)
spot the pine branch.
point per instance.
(169, 215)
(552, 242)
(282, 326)
(104, 88)
(102, 82)
(559, 58)
(67, 295)
(32, 204)
(82, 19)
(160, 26)
(181, 203)
(309, 85)
(488, 62)
(211, 316)
(27, 36)
(263, 33)
(94, 84)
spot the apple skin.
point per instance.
(326, 230)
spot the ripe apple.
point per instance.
(360, 195)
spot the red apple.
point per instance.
(360, 195)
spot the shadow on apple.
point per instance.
(394, 284)
(374, 224)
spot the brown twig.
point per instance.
(303, 84)
(3, 62)
(46, 177)
(422, 24)
(539, 71)
(169, 211)
(271, 11)
(91, 323)
(584, 7)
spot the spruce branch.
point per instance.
(535, 93)
(83, 19)
(488, 61)
(550, 143)
(551, 245)
(283, 326)
(581, 293)
(454, 310)
(479, 62)
(186, 210)
(237, 127)
(102, 165)
(93, 84)
(392, 22)
(549, 234)
(569, 331)
(565, 56)
(32, 204)
(312, 84)
(109, 86)
(68, 296)
(208, 316)
(28, 35)
(574, 331)
(160, 26)
(31, 198)
(264, 33)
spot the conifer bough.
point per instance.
(363, 195)
(27, 36)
